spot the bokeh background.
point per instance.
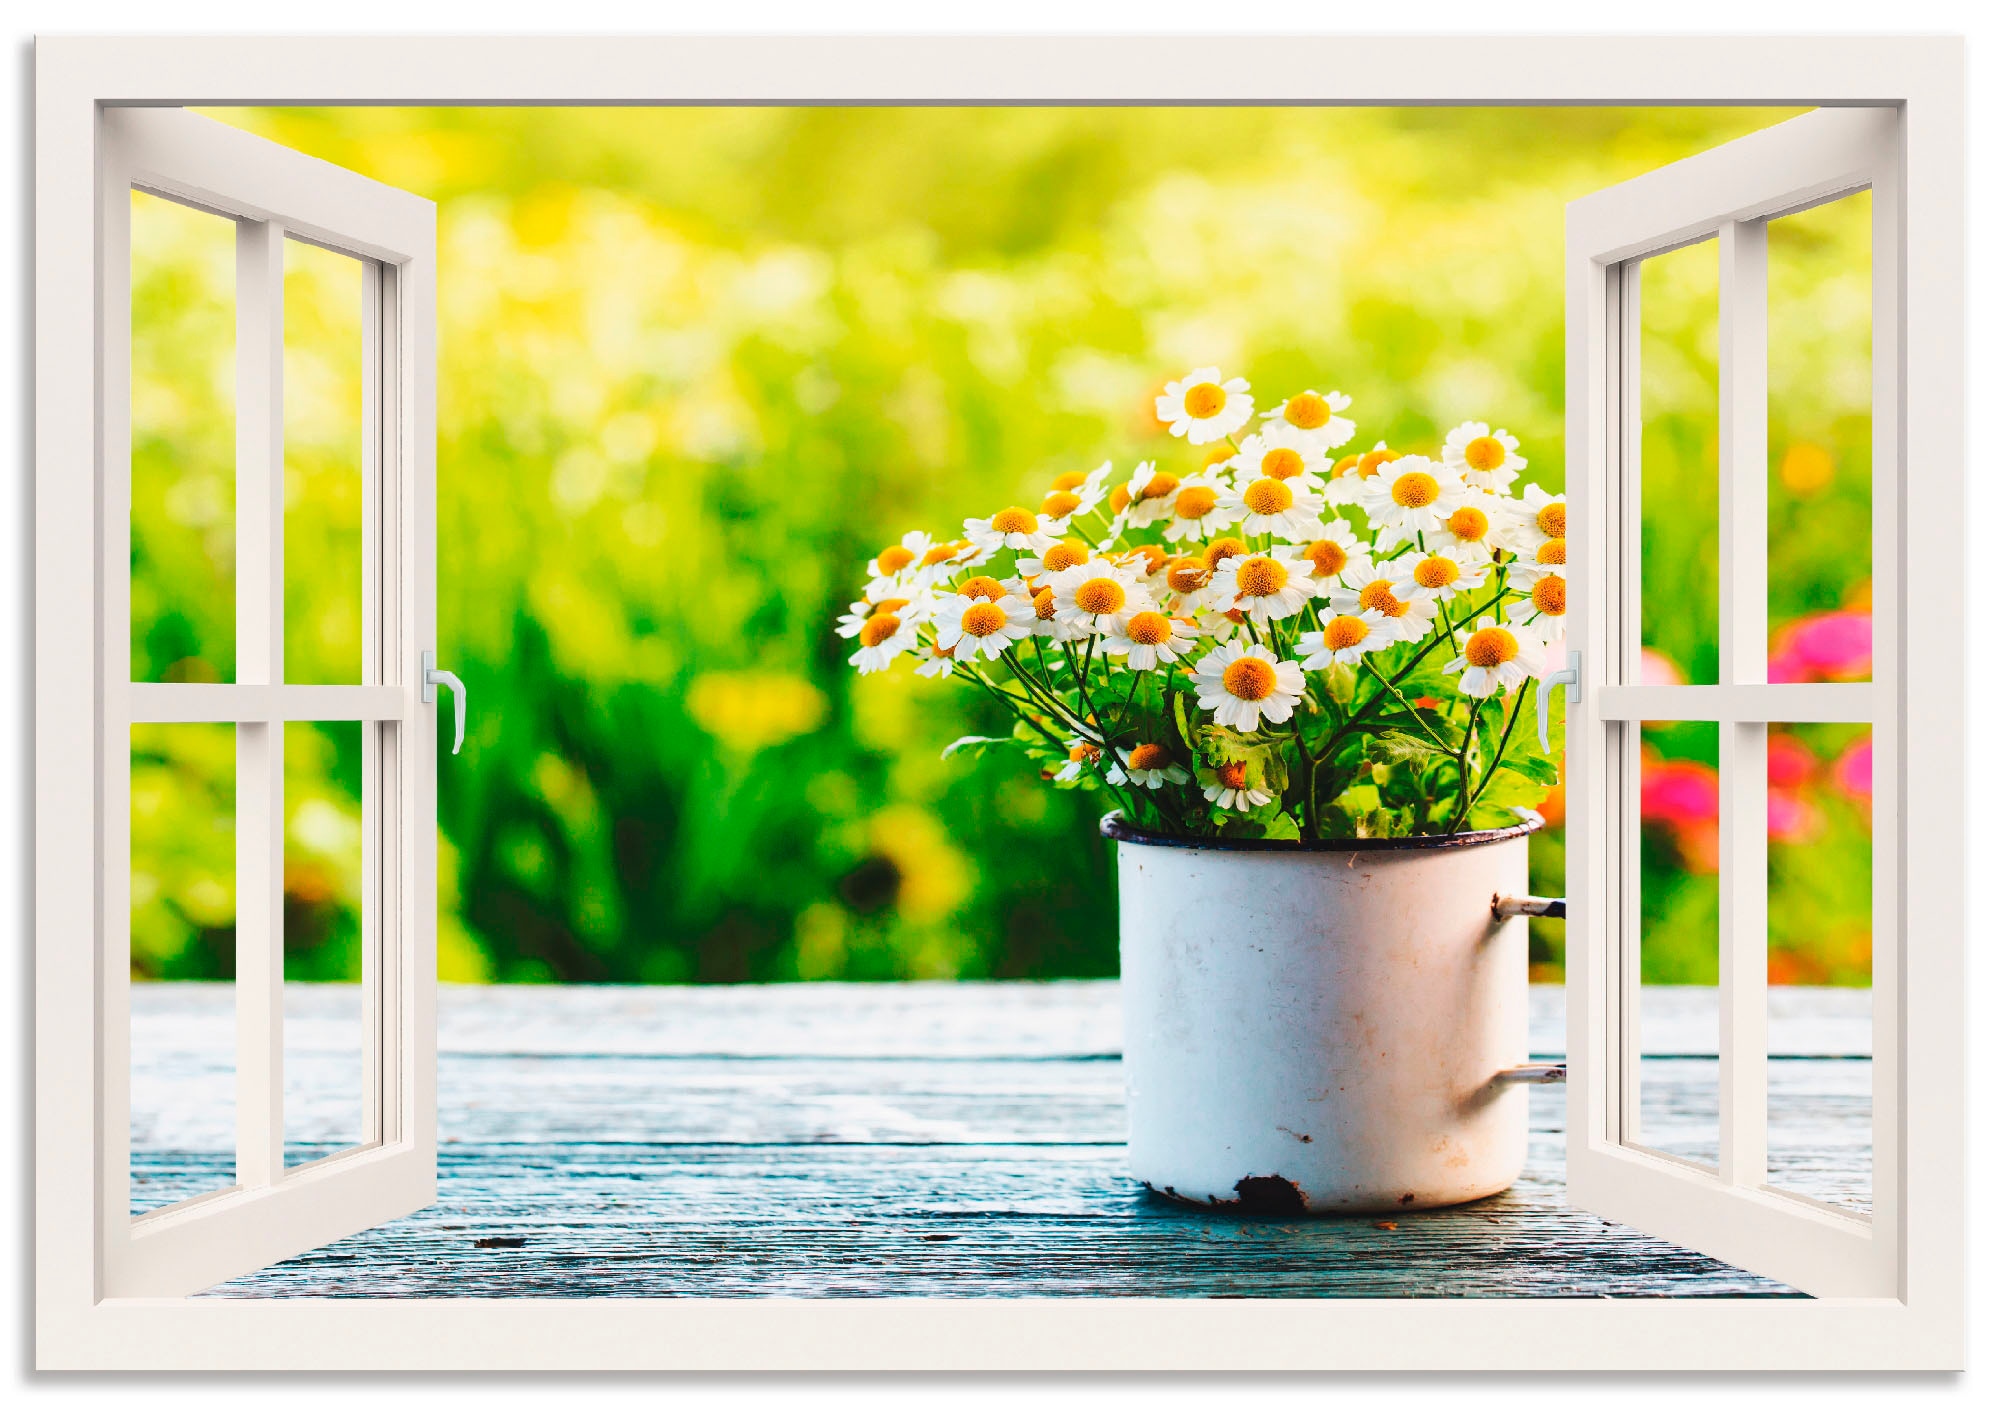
(698, 365)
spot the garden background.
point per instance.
(698, 365)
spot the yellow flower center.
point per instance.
(1345, 464)
(1148, 756)
(1345, 631)
(877, 628)
(1218, 454)
(1070, 481)
(1267, 495)
(1250, 678)
(1045, 603)
(1100, 596)
(943, 552)
(1328, 557)
(1307, 411)
(982, 588)
(1084, 752)
(982, 619)
(1011, 520)
(1553, 520)
(1204, 400)
(1372, 461)
(1260, 576)
(1195, 502)
(1434, 573)
(1415, 489)
(1551, 595)
(1186, 574)
(1554, 552)
(1283, 463)
(1490, 648)
(1233, 775)
(1381, 595)
(1061, 503)
(1149, 627)
(891, 606)
(894, 559)
(1485, 454)
(1221, 550)
(1064, 555)
(1121, 498)
(1151, 557)
(1468, 524)
(1159, 486)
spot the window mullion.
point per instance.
(260, 659)
(1744, 594)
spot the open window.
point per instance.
(256, 1204)
(1721, 1199)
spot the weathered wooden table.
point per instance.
(918, 1139)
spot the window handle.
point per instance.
(1572, 678)
(433, 676)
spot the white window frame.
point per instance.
(1921, 1325)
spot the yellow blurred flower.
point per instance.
(1806, 469)
(749, 710)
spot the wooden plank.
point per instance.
(630, 1161)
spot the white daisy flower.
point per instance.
(1230, 790)
(1202, 407)
(1186, 580)
(858, 614)
(1091, 487)
(1316, 414)
(1343, 639)
(1098, 596)
(940, 562)
(1046, 626)
(938, 665)
(1075, 495)
(1016, 528)
(1428, 576)
(1059, 557)
(1337, 557)
(892, 561)
(1244, 685)
(1542, 615)
(984, 628)
(1263, 585)
(1485, 457)
(1151, 765)
(1084, 755)
(1550, 557)
(1543, 516)
(1148, 497)
(1482, 524)
(1491, 656)
(1351, 474)
(1199, 508)
(1279, 451)
(1409, 497)
(1287, 509)
(1408, 620)
(883, 636)
(1149, 637)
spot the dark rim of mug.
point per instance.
(1114, 826)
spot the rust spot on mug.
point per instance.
(1270, 1196)
(1408, 1197)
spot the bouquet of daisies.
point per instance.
(1267, 640)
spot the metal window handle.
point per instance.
(1572, 678)
(433, 676)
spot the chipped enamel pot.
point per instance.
(1319, 1028)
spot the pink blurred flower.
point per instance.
(1791, 819)
(1854, 770)
(1836, 645)
(1677, 793)
(1790, 762)
(1655, 667)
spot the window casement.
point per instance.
(111, 1287)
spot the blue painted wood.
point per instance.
(924, 1139)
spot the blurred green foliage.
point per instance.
(698, 365)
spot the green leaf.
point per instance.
(1281, 827)
(1535, 768)
(1340, 683)
(980, 744)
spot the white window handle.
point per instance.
(433, 676)
(1572, 677)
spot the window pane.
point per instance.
(1821, 424)
(183, 961)
(325, 1032)
(1679, 896)
(183, 443)
(323, 465)
(1821, 961)
(1679, 413)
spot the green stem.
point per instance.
(1464, 776)
(1360, 714)
(1520, 702)
(1415, 712)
